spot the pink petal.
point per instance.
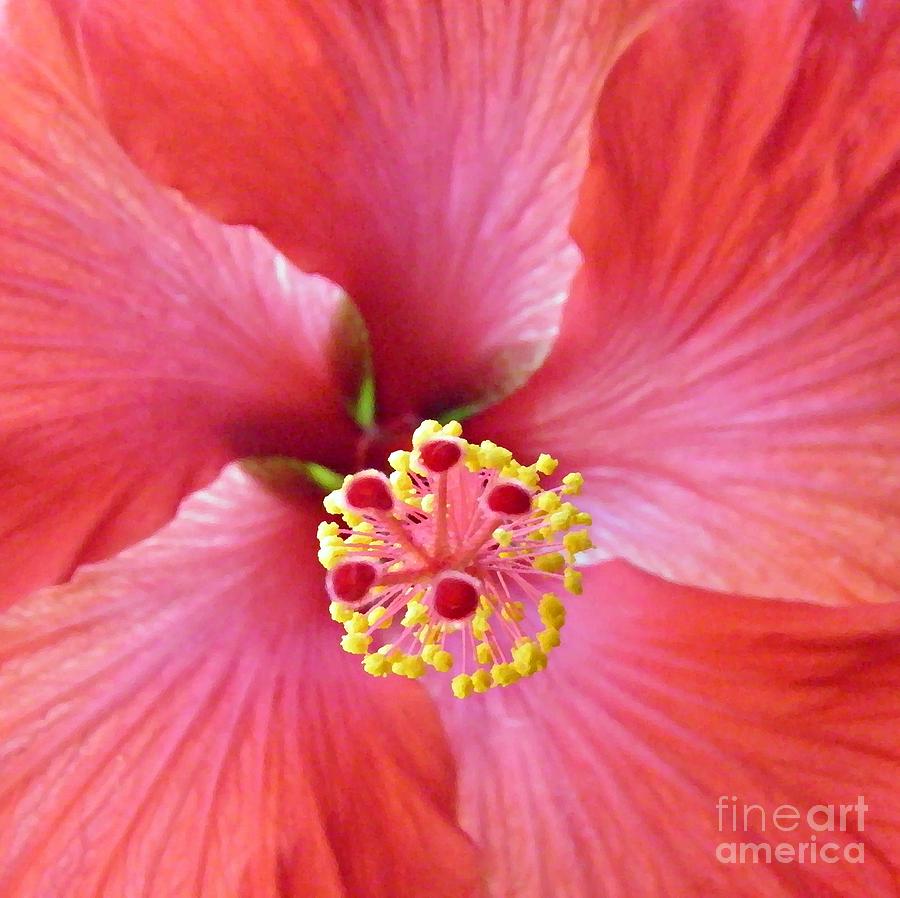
(424, 156)
(727, 379)
(141, 344)
(600, 777)
(181, 721)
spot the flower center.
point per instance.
(454, 562)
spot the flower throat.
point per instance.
(454, 563)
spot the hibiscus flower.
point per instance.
(660, 244)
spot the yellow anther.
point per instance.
(401, 483)
(572, 581)
(399, 461)
(424, 432)
(483, 653)
(327, 528)
(549, 564)
(333, 502)
(563, 516)
(552, 612)
(428, 635)
(443, 661)
(528, 657)
(452, 429)
(356, 643)
(480, 626)
(357, 539)
(577, 541)
(547, 501)
(527, 476)
(377, 617)
(583, 519)
(551, 603)
(329, 556)
(428, 502)
(504, 674)
(503, 537)
(358, 623)
(398, 662)
(413, 667)
(548, 639)
(472, 456)
(481, 681)
(377, 665)
(572, 483)
(429, 652)
(494, 456)
(340, 612)
(416, 613)
(546, 464)
(462, 686)
(513, 611)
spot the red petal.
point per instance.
(181, 721)
(727, 379)
(424, 156)
(141, 344)
(600, 777)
